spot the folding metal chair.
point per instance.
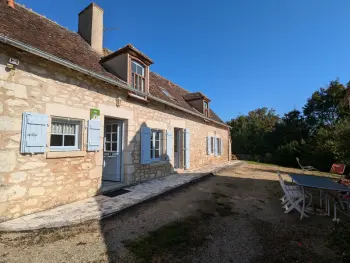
(294, 197)
(344, 202)
(306, 168)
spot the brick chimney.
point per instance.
(90, 26)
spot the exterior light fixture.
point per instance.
(118, 102)
(12, 63)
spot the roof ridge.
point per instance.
(158, 75)
(42, 16)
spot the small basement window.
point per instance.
(65, 134)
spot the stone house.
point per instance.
(77, 119)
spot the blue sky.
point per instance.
(242, 54)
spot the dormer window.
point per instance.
(131, 66)
(198, 101)
(137, 76)
(206, 109)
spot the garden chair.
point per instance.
(294, 197)
(342, 204)
(306, 168)
(338, 169)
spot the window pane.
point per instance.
(56, 140)
(56, 128)
(115, 127)
(108, 146)
(157, 145)
(151, 143)
(108, 137)
(69, 140)
(114, 137)
(114, 146)
(137, 82)
(108, 128)
(157, 135)
(133, 80)
(69, 128)
(139, 70)
(133, 67)
(156, 154)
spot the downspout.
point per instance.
(121, 84)
(229, 143)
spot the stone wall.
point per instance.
(37, 182)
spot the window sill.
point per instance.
(138, 97)
(55, 155)
(155, 163)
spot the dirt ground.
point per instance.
(234, 216)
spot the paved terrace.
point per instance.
(98, 207)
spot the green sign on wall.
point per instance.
(94, 114)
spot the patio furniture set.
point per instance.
(299, 196)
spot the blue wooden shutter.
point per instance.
(187, 149)
(93, 135)
(221, 144)
(208, 145)
(33, 137)
(169, 145)
(145, 145)
(215, 146)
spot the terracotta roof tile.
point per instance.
(39, 32)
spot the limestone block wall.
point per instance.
(30, 183)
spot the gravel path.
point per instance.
(231, 217)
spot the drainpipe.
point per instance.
(11, 3)
(229, 143)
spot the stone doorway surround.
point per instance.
(98, 207)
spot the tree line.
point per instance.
(319, 134)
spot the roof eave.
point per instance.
(35, 51)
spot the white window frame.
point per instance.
(153, 148)
(77, 134)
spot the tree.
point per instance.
(248, 132)
(320, 135)
(324, 108)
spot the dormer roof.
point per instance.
(130, 49)
(196, 96)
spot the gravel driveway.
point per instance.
(234, 216)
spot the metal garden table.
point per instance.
(318, 182)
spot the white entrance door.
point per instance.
(177, 148)
(112, 151)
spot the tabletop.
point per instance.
(318, 182)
